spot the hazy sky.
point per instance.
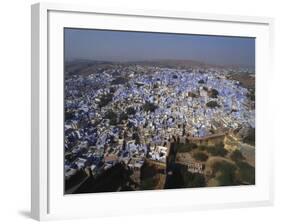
(133, 46)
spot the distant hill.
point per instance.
(172, 63)
(84, 67)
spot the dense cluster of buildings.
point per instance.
(115, 116)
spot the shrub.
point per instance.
(201, 156)
(236, 156)
(123, 117)
(136, 137)
(69, 115)
(225, 173)
(246, 172)
(149, 107)
(213, 93)
(217, 150)
(131, 111)
(112, 116)
(181, 147)
(193, 179)
(202, 147)
(155, 86)
(105, 99)
(212, 104)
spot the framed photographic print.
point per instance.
(162, 111)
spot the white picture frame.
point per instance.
(47, 200)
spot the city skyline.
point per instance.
(122, 46)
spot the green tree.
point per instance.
(149, 107)
(212, 104)
(112, 116)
